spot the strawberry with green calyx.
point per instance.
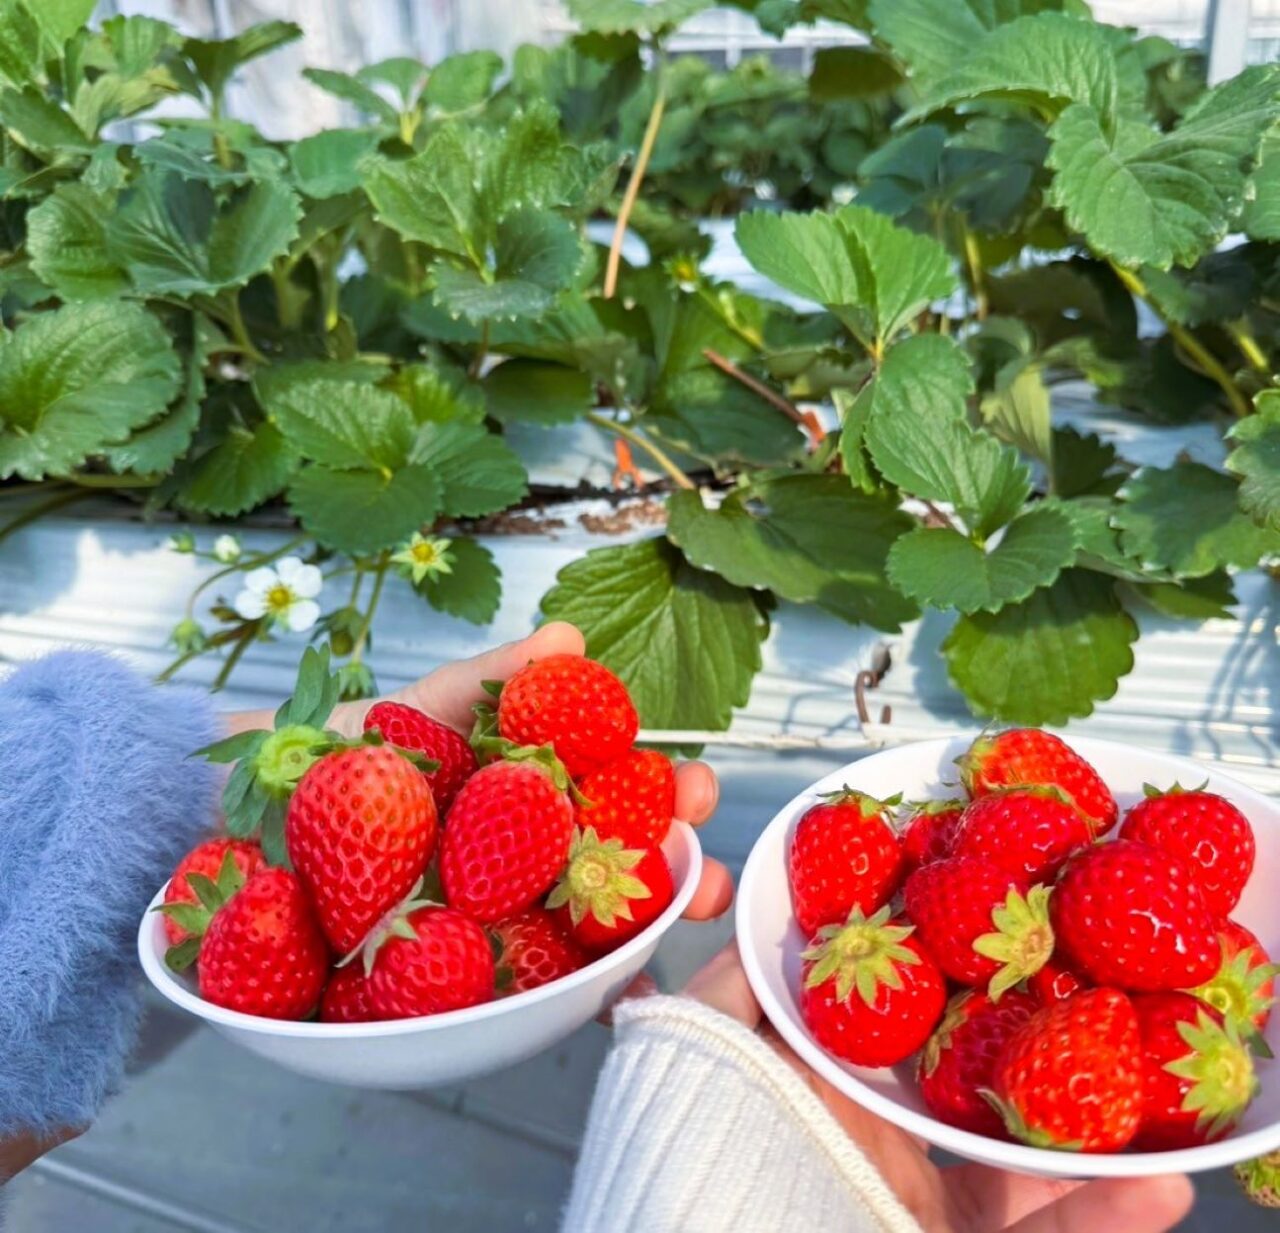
(1023, 756)
(844, 855)
(192, 917)
(1260, 1179)
(361, 827)
(1071, 1077)
(1198, 1074)
(1028, 831)
(929, 832)
(1205, 830)
(508, 838)
(977, 923)
(206, 860)
(1243, 987)
(870, 993)
(609, 893)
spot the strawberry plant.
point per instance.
(975, 204)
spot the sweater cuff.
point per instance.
(698, 1125)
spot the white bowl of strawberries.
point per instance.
(1054, 959)
(397, 913)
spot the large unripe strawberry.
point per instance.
(608, 893)
(1197, 1075)
(1023, 756)
(1029, 832)
(1206, 830)
(1072, 1076)
(410, 728)
(346, 997)
(206, 859)
(928, 833)
(508, 838)
(575, 705)
(844, 855)
(1130, 915)
(433, 960)
(1243, 987)
(535, 951)
(974, 920)
(360, 830)
(870, 993)
(264, 953)
(959, 1061)
(632, 799)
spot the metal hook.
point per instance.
(869, 678)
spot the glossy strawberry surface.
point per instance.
(410, 728)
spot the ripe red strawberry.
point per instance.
(608, 893)
(959, 1061)
(410, 728)
(1024, 756)
(1243, 987)
(1130, 915)
(1198, 1077)
(264, 953)
(535, 951)
(360, 829)
(870, 992)
(575, 705)
(929, 830)
(1055, 982)
(632, 799)
(206, 859)
(1071, 1077)
(844, 855)
(433, 960)
(976, 923)
(1029, 832)
(508, 837)
(346, 997)
(1206, 830)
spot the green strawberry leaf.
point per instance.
(346, 425)
(166, 154)
(477, 471)
(245, 468)
(1018, 412)
(1045, 61)
(852, 73)
(462, 81)
(352, 90)
(328, 164)
(1047, 659)
(939, 567)
(472, 589)
(625, 16)
(175, 238)
(1187, 519)
(77, 379)
(530, 391)
(1208, 598)
(21, 43)
(1099, 541)
(436, 396)
(685, 642)
(1143, 197)
(67, 243)
(1261, 218)
(874, 274)
(216, 60)
(806, 538)
(536, 257)
(38, 123)
(1256, 458)
(62, 18)
(363, 512)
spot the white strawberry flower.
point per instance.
(284, 593)
(226, 549)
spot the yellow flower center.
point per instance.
(279, 599)
(425, 553)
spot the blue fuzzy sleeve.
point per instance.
(98, 802)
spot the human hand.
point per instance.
(966, 1198)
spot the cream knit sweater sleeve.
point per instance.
(697, 1126)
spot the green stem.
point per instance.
(973, 259)
(637, 178)
(289, 299)
(114, 481)
(379, 580)
(220, 147)
(240, 332)
(1249, 348)
(263, 558)
(242, 645)
(39, 510)
(477, 361)
(1209, 363)
(635, 438)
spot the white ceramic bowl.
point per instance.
(408, 1054)
(771, 945)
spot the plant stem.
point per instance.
(38, 511)
(637, 178)
(379, 580)
(973, 259)
(113, 481)
(240, 332)
(242, 645)
(1249, 348)
(815, 430)
(654, 452)
(263, 558)
(1209, 363)
(477, 361)
(220, 146)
